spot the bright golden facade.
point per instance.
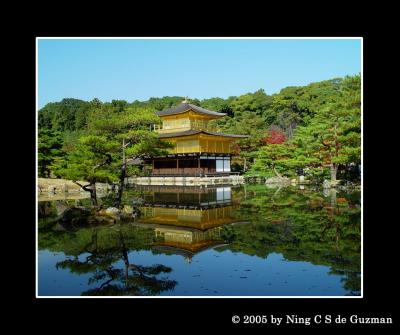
(182, 122)
(201, 144)
(196, 150)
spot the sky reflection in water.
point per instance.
(239, 241)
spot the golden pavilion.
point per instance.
(196, 151)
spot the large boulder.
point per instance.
(74, 212)
(100, 219)
(74, 216)
(112, 211)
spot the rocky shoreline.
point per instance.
(301, 181)
(48, 186)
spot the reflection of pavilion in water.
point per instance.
(187, 220)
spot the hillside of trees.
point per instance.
(314, 128)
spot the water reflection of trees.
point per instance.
(303, 225)
(103, 252)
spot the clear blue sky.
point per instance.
(133, 69)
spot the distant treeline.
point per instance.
(285, 109)
(304, 127)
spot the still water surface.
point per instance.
(221, 241)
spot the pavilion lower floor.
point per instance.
(190, 165)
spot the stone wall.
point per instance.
(48, 187)
(188, 181)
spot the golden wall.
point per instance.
(183, 122)
(201, 143)
(194, 218)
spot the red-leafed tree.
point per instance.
(274, 136)
(236, 148)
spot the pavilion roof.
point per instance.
(184, 107)
(195, 132)
(186, 249)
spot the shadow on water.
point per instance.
(192, 223)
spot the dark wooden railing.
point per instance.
(190, 172)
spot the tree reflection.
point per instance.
(304, 226)
(103, 264)
(342, 226)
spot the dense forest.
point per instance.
(315, 129)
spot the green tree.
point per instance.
(133, 131)
(50, 145)
(257, 102)
(68, 114)
(275, 157)
(324, 123)
(93, 160)
(159, 104)
(333, 135)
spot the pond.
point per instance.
(248, 240)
